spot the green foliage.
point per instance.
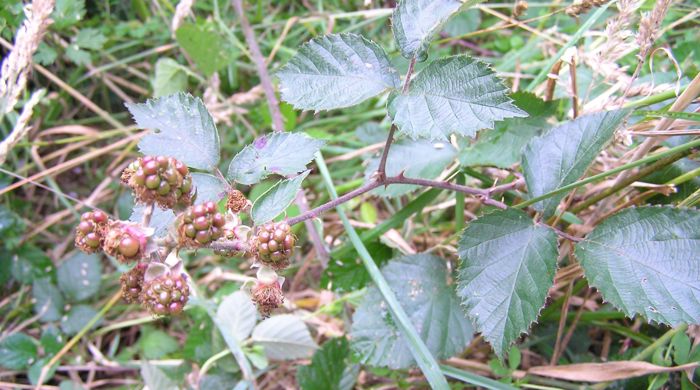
(170, 78)
(48, 301)
(562, 155)
(156, 344)
(207, 48)
(434, 310)
(284, 337)
(279, 153)
(451, 95)
(17, 351)
(415, 22)
(502, 147)
(79, 276)
(507, 264)
(644, 261)
(275, 200)
(334, 71)
(76, 318)
(181, 128)
(329, 368)
(209, 187)
(238, 314)
(345, 273)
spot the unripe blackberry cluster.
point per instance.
(235, 235)
(163, 180)
(166, 294)
(90, 232)
(125, 241)
(200, 225)
(274, 244)
(132, 283)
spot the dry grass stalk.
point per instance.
(649, 27)
(21, 126)
(16, 65)
(580, 7)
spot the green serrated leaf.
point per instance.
(507, 264)
(502, 147)
(78, 316)
(328, 367)
(457, 94)
(239, 315)
(45, 54)
(335, 71)
(284, 337)
(645, 261)
(419, 282)
(29, 263)
(170, 77)
(279, 153)
(48, 301)
(415, 22)
(420, 159)
(77, 55)
(79, 276)
(181, 127)
(208, 187)
(209, 50)
(67, 13)
(17, 351)
(275, 200)
(562, 155)
(90, 38)
(52, 340)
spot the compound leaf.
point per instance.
(181, 128)
(334, 71)
(280, 153)
(507, 264)
(562, 155)
(452, 95)
(645, 261)
(420, 284)
(208, 187)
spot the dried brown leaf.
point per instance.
(603, 372)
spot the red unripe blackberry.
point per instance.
(163, 180)
(166, 294)
(200, 225)
(274, 244)
(126, 242)
(90, 232)
(132, 283)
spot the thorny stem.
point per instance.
(484, 194)
(381, 171)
